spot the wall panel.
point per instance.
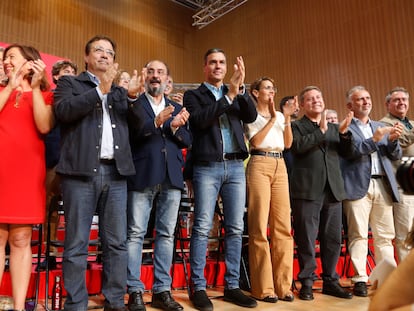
(334, 44)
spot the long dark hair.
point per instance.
(30, 54)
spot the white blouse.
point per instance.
(274, 138)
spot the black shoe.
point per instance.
(288, 298)
(334, 289)
(107, 307)
(50, 262)
(201, 301)
(135, 302)
(146, 259)
(306, 293)
(360, 289)
(115, 309)
(269, 299)
(237, 297)
(165, 301)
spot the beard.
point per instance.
(155, 90)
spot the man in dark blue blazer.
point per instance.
(370, 186)
(217, 113)
(156, 144)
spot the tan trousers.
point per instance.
(271, 266)
(374, 210)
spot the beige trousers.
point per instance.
(271, 266)
(375, 211)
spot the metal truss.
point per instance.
(209, 10)
(215, 10)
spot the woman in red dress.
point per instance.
(25, 116)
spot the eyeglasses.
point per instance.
(270, 88)
(101, 50)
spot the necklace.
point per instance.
(266, 117)
(16, 103)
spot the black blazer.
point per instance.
(204, 122)
(316, 160)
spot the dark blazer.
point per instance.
(78, 109)
(156, 152)
(356, 168)
(316, 160)
(204, 122)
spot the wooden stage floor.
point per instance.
(321, 302)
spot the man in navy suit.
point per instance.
(156, 145)
(370, 186)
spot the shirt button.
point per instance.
(95, 170)
(116, 147)
(110, 106)
(97, 146)
(113, 126)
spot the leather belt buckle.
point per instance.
(272, 154)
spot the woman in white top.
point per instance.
(271, 266)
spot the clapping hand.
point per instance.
(39, 69)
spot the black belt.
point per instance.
(107, 161)
(233, 156)
(377, 176)
(267, 153)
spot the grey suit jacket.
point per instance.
(356, 168)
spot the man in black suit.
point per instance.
(218, 151)
(156, 148)
(317, 189)
(95, 160)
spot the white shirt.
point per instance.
(107, 145)
(376, 167)
(274, 139)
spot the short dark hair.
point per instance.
(88, 45)
(61, 64)
(307, 89)
(211, 51)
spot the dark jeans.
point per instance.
(106, 194)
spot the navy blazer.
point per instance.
(204, 121)
(356, 168)
(156, 152)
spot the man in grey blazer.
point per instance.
(317, 189)
(397, 103)
(370, 186)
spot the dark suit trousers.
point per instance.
(320, 219)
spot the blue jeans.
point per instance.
(105, 193)
(228, 179)
(167, 202)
